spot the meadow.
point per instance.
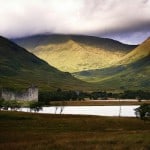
(30, 131)
(99, 103)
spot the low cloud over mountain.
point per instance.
(127, 21)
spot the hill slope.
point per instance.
(132, 72)
(138, 53)
(19, 69)
(73, 53)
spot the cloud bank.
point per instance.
(124, 20)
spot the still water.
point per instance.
(124, 111)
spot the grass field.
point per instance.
(26, 131)
(97, 103)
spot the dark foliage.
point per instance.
(12, 104)
(60, 95)
(143, 112)
(136, 95)
(35, 106)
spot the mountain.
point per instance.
(132, 72)
(74, 53)
(138, 53)
(106, 63)
(20, 68)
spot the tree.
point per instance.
(6, 105)
(35, 106)
(143, 112)
(1, 103)
(14, 105)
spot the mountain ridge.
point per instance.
(139, 52)
(110, 68)
(74, 53)
(61, 38)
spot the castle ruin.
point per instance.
(30, 94)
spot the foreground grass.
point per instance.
(26, 131)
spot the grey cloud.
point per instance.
(111, 18)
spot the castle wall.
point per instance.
(28, 95)
(6, 95)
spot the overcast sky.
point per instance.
(125, 20)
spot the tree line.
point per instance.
(60, 95)
(14, 105)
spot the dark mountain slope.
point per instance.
(105, 43)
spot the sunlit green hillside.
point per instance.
(133, 72)
(74, 53)
(139, 52)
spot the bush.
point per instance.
(12, 104)
(143, 112)
(6, 105)
(1, 103)
(35, 106)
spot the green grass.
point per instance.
(71, 132)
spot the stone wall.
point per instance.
(26, 95)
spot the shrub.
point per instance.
(1, 103)
(35, 106)
(143, 111)
(12, 104)
(6, 105)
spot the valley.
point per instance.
(105, 63)
(74, 62)
(132, 71)
(75, 75)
